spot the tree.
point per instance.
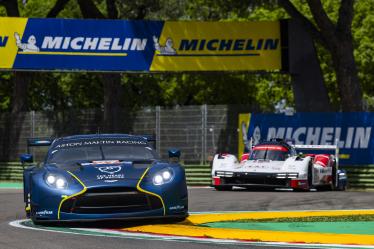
(113, 90)
(21, 81)
(337, 39)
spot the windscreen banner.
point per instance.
(138, 46)
(352, 132)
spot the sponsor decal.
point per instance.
(355, 137)
(93, 43)
(351, 132)
(3, 41)
(212, 46)
(101, 142)
(110, 169)
(270, 147)
(82, 46)
(215, 45)
(120, 45)
(167, 49)
(178, 207)
(106, 162)
(44, 212)
(111, 175)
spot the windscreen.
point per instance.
(100, 150)
(273, 153)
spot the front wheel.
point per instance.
(223, 188)
(28, 206)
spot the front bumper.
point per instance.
(112, 203)
(243, 179)
(103, 219)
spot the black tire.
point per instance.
(32, 216)
(334, 177)
(177, 220)
(223, 188)
(310, 175)
(28, 213)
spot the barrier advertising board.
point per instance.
(350, 131)
(120, 45)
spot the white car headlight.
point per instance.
(61, 183)
(56, 181)
(163, 177)
(51, 179)
(158, 180)
(166, 175)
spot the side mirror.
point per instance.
(26, 158)
(174, 155)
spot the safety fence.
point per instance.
(198, 131)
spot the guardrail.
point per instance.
(359, 177)
(11, 171)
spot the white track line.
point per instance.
(141, 236)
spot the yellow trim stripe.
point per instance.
(64, 198)
(74, 53)
(190, 228)
(28, 208)
(147, 192)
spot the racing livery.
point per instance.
(276, 163)
(104, 176)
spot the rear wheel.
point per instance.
(310, 175)
(334, 177)
(223, 188)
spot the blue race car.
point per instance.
(104, 176)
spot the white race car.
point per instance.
(277, 164)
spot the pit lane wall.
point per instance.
(138, 46)
(352, 132)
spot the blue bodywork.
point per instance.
(104, 189)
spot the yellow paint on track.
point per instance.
(205, 218)
(190, 228)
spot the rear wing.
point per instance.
(320, 147)
(38, 141)
(151, 140)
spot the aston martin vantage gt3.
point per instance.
(104, 176)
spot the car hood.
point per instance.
(126, 174)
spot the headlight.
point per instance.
(163, 177)
(51, 179)
(56, 181)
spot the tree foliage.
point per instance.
(56, 91)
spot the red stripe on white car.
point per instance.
(270, 147)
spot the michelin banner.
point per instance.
(351, 131)
(118, 45)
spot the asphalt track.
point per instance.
(201, 200)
